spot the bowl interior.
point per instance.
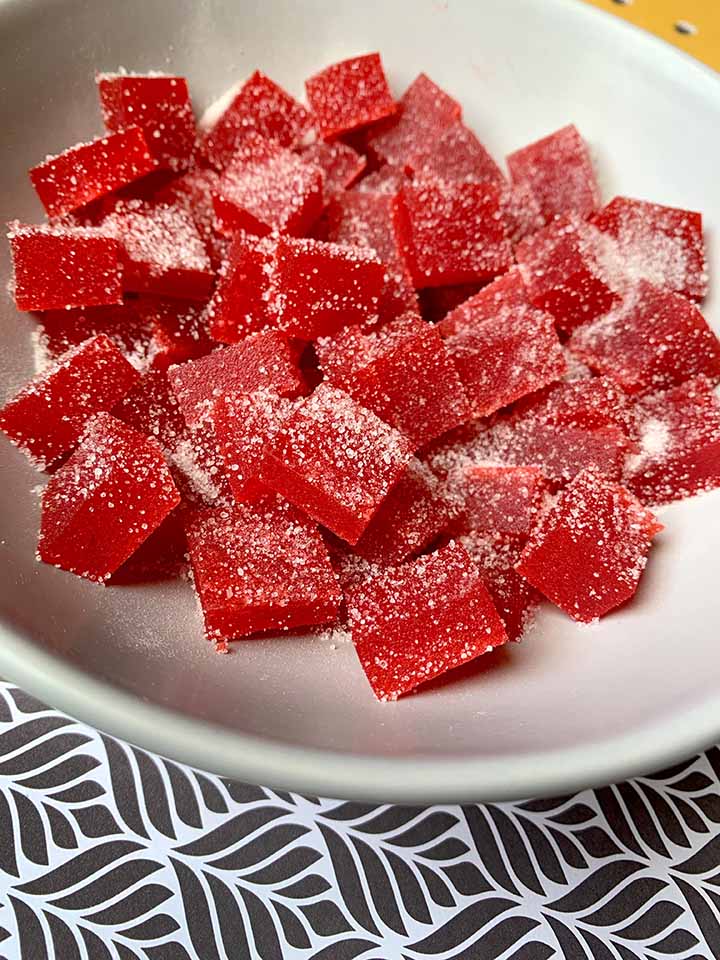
(521, 68)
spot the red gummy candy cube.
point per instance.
(502, 500)
(60, 330)
(260, 107)
(46, 418)
(318, 288)
(679, 444)
(259, 568)
(652, 340)
(91, 170)
(507, 292)
(559, 172)
(337, 461)
(586, 404)
(588, 552)
(160, 105)
(349, 95)
(267, 188)
(424, 111)
(402, 373)
(366, 220)
(504, 358)
(178, 330)
(412, 515)
(59, 267)
(262, 360)
(105, 501)
(452, 232)
(246, 426)
(414, 622)
(164, 253)
(339, 162)
(663, 245)
(454, 153)
(565, 274)
(239, 305)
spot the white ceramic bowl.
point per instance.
(569, 707)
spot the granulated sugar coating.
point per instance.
(416, 621)
(348, 316)
(588, 551)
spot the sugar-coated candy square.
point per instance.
(178, 329)
(90, 170)
(504, 358)
(260, 107)
(453, 153)
(565, 273)
(60, 330)
(337, 461)
(507, 292)
(245, 425)
(402, 373)
(164, 253)
(452, 232)
(47, 417)
(349, 94)
(239, 304)
(679, 444)
(339, 162)
(589, 550)
(267, 188)
(663, 245)
(108, 498)
(559, 172)
(317, 288)
(650, 341)
(261, 360)
(502, 500)
(410, 518)
(260, 568)
(157, 103)
(416, 621)
(57, 267)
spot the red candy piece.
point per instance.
(565, 272)
(400, 372)
(262, 360)
(504, 358)
(366, 220)
(318, 288)
(414, 622)
(559, 172)
(91, 170)
(337, 461)
(239, 305)
(267, 188)
(454, 153)
(502, 500)
(586, 404)
(424, 111)
(412, 515)
(164, 253)
(105, 501)
(452, 232)
(178, 329)
(59, 267)
(507, 292)
(339, 162)
(663, 245)
(193, 191)
(60, 330)
(652, 340)
(47, 417)
(515, 599)
(160, 105)
(588, 552)
(260, 107)
(260, 568)
(245, 426)
(150, 407)
(521, 211)
(679, 440)
(349, 95)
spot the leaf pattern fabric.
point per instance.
(109, 852)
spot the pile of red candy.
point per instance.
(356, 374)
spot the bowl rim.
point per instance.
(415, 779)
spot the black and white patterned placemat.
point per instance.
(109, 852)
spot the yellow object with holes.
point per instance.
(663, 17)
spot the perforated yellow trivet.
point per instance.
(690, 25)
